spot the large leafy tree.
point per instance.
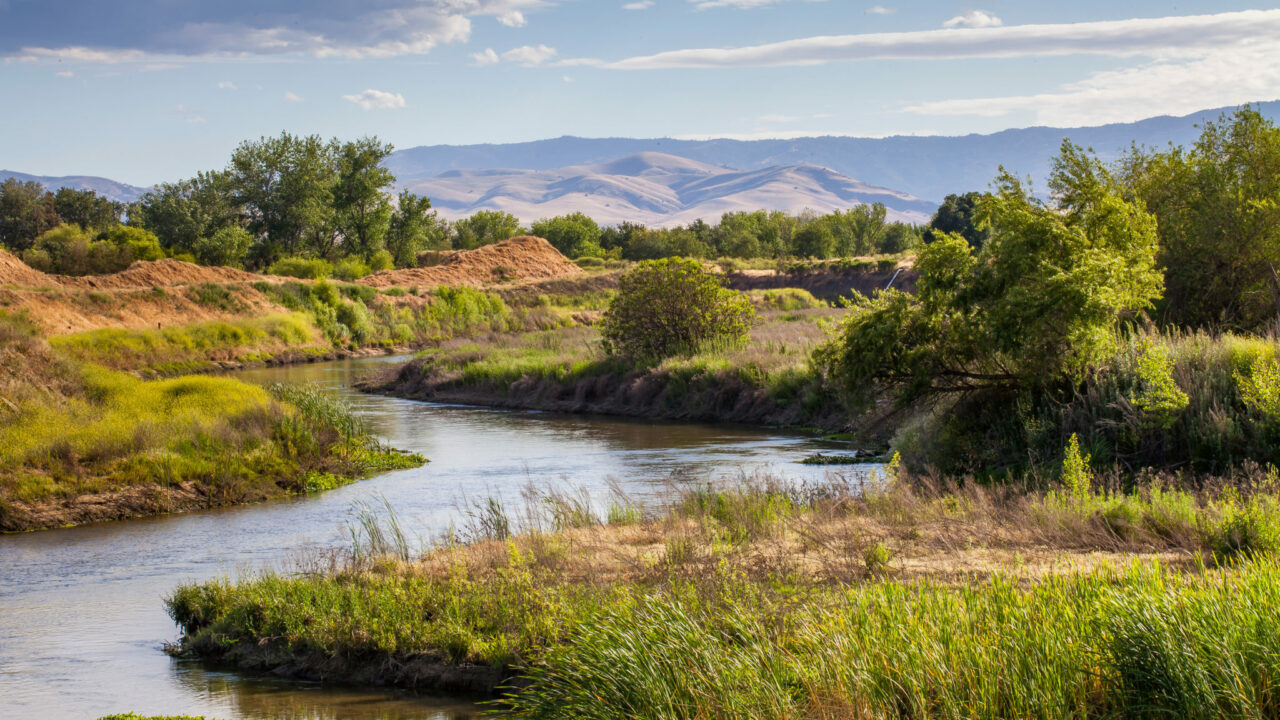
(286, 183)
(958, 214)
(1038, 304)
(187, 214)
(26, 213)
(483, 228)
(673, 306)
(86, 208)
(1218, 208)
(574, 234)
(361, 207)
(415, 227)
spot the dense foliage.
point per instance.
(1040, 302)
(1218, 208)
(671, 307)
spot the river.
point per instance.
(82, 623)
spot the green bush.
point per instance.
(671, 307)
(300, 267)
(350, 268)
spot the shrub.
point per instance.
(670, 307)
(350, 269)
(227, 246)
(299, 267)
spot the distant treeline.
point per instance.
(305, 205)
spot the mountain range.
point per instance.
(666, 181)
(657, 189)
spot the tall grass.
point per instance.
(1144, 642)
(1171, 400)
(82, 428)
(192, 347)
(727, 606)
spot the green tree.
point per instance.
(858, 230)
(1218, 207)
(415, 227)
(898, 237)
(958, 214)
(814, 240)
(286, 185)
(226, 246)
(187, 214)
(673, 306)
(361, 207)
(483, 228)
(574, 235)
(1040, 303)
(86, 208)
(26, 212)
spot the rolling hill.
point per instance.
(926, 167)
(656, 189)
(118, 191)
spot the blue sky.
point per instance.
(150, 90)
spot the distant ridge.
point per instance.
(117, 191)
(657, 189)
(926, 167)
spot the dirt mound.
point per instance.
(520, 258)
(160, 273)
(15, 272)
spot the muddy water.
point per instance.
(81, 619)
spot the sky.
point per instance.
(144, 91)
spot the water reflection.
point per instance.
(81, 615)
(261, 698)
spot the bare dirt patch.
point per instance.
(521, 258)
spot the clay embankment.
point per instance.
(524, 258)
(155, 294)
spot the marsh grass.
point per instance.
(192, 347)
(69, 428)
(899, 597)
(768, 379)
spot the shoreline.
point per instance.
(717, 398)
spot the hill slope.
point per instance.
(118, 191)
(926, 167)
(656, 189)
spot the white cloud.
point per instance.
(974, 19)
(227, 85)
(568, 79)
(370, 99)
(1156, 37)
(512, 18)
(880, 10)
(79, 54)
(529, 55)
(486, 57)
(65, 74)
(639, 5)
(290, 97)
(349, 30)
(1171, 86)
(189, 115)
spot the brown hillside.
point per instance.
(520, 258)
(15, 272)
(160, 273)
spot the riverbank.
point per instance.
(767, 381)
(769, 600)
(82, 443)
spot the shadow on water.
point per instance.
(82, 621)
(264, 698)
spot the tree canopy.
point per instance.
(1040, 302)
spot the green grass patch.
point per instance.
(192, 347)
